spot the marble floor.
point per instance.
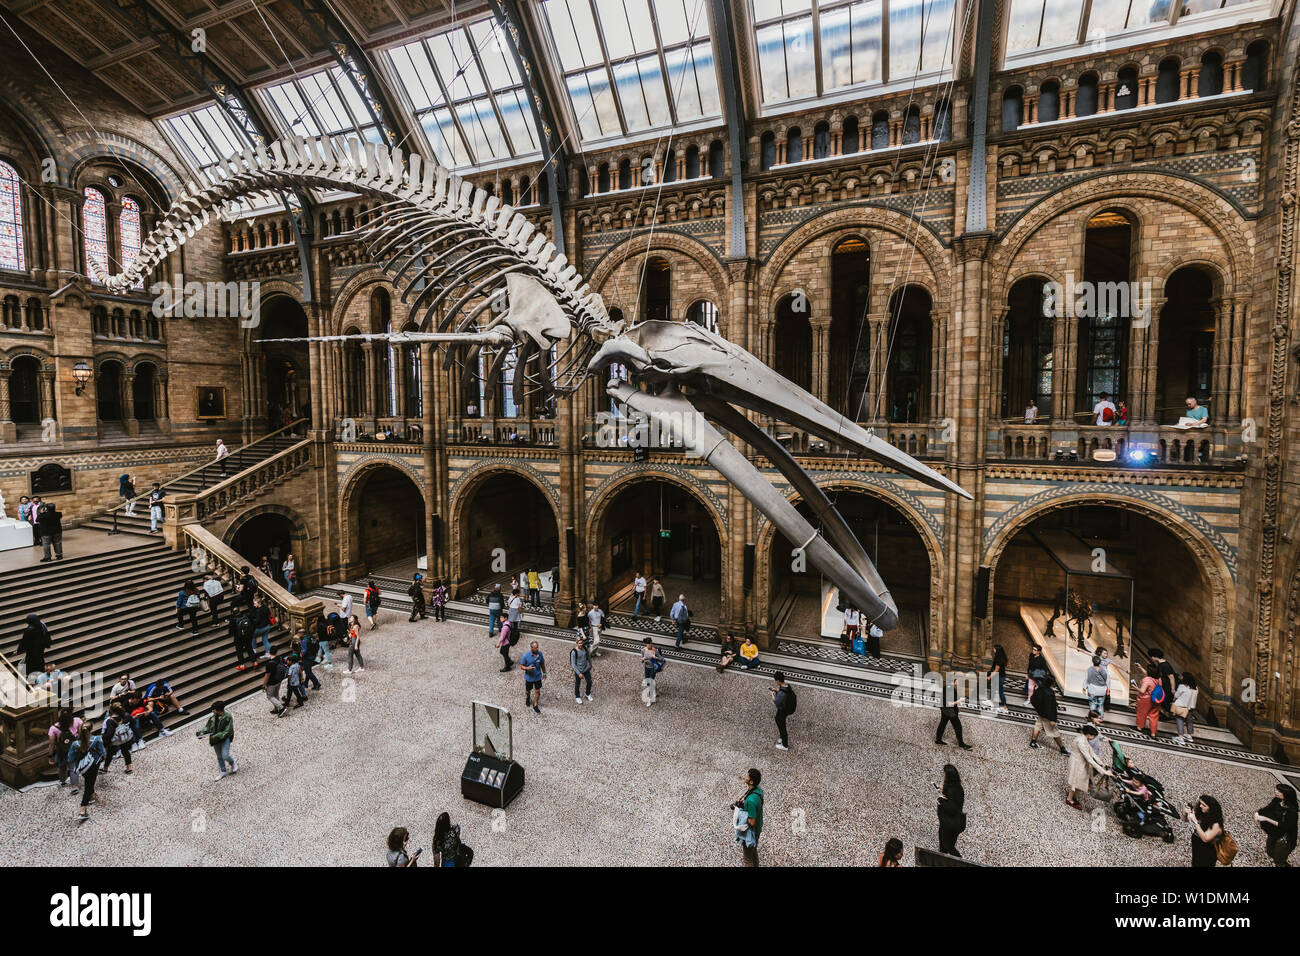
(609, 782)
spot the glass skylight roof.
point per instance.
(467, 96)
(324, 103)
(631, 66)
(1053, 24)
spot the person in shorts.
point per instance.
(534, 668)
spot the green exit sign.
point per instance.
(665, 533)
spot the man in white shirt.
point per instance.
(1104, 410)
(595, 618)
(638, 585)
(852, 619)
(345, 607)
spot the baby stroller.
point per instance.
(1141, 806)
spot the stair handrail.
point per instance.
(194, 471)
(300, 450)
(292, 611)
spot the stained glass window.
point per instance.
(128, 232)
(94, 227)
(11, 219)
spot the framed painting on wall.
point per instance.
(210, 400)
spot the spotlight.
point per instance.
(1140, 457)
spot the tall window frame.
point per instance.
(94, 228)
(13, 253)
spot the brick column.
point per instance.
(127, 392)
(47, 395)
(369, 403)
(1142, 382)
(1237, 311)
(875, 410)
(821, 359)
(8, 430)
(160, 404)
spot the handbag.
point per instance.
(85, 764)
(1179, 710)
(1225, 849)
(465, 855)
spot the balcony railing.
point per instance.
(1168, 444)
(504, 431)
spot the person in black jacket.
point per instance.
(49, 526)
(952, 817)
(241, 632)
(949, 714)
(1044, 703)
(1278, 821)
(783, 698)
(32, 644)
(416, 592)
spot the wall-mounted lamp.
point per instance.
(81, 374)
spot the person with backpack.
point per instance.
(438, 600)
(496, 603)
(187, 606)
(534, 667)
(241, 632)
(86, 756)
(220, 731)
(1211, 842)
(295, 688)
(1104, 409)
(260, 615)
(1150, 693)
(126, 490)
(272, 678)
(372, 600)
(651, 664)
(117, 735)
(785, 701)
(308, 651)
(63, 733)
(1277, 820)
(156, 496)
(951, 810)
(49, 526)
(1047, 711)
(504, 641)
(580, 663)
(1163, 671)
(416, 593)
(447, 847)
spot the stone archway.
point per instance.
(1214, 562)
(479, 527)
(274, 532)
(383, 516)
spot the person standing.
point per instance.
(241, 633)
(156, 496)
(998, 672)
(950, 713)
(1096, 685)
(1148, 709)
(220, 731)
(534, 667)
(447, 848)
(222, 454)
(1164, 672)
(117, 736)
(272, 677)
(657, 599)
(785, 701)
(1184, 708)
(86, 756)
(33, 643)
(951, 810)
(515, 613)
(1206, 818)
(749, 816)
(1084, 766)
(555, 582)
(126, 490)
(638, 590)
(438, 600)
(212, 586)
(308, 651)
(852, 622)
(49, 525)
(580, 662)
(295, 682)
(1277, 820)
(416, 593)
(496, 603)
(1036, 669)
(63, 734)
(534, 588)
(1047, 711)
(354, 646)
(503, 642)
(595, 618)
(681, 616)
(290, 571)
(372, 601)
(261, 618)
(651, 665)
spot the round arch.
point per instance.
(464, 494)
(664, 241)
(274, 531)
(597, 506)
(1216, 573)
(929, 533)
(353, 483)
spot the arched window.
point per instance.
(849, 137)
(692, 162)
(1085, 98)
(821, 140)
(880, 130)
(716, 159)
(1012, 109)
(1168, 81)
(625, 174)
(703, 313)
(509, 402)
(1210, 80)
(658, 288)
(794, 145)
(670, 166)
(792, 340)
(11, 219)
(1049, 102)
(942, 121)
(94, 227)
(602, 178)
(1126, 89)
(1253, 72)
(912, 125)
(767, 150)
(128, 233)
(507, 193)
(35, 315)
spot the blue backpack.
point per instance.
(1158, 694)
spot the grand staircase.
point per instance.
(193, 482)
(114, 613)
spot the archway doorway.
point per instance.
(108, 391)
(908, 395)
(850, 335)
(508, 525)
(388, 523)
(1103, 333)
(267, 535)
(792, 341)
(1185, 362)
(802, 604)
(142, 392)
(1133, 583)
(288, 364)
(661, 529)
(24, 391)
(1027, 353)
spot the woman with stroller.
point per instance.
(1084, 764)
(1206, 819)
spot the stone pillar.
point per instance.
(1062, 396)
(369, 403)
(161, 405)
(1142, 378)
(47, 395)
(875, 410)
(126, 389)
(938, 327)
(821, 359)
(1070, 364)
(1106, 97)
(8, 430)
(1237, 311)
